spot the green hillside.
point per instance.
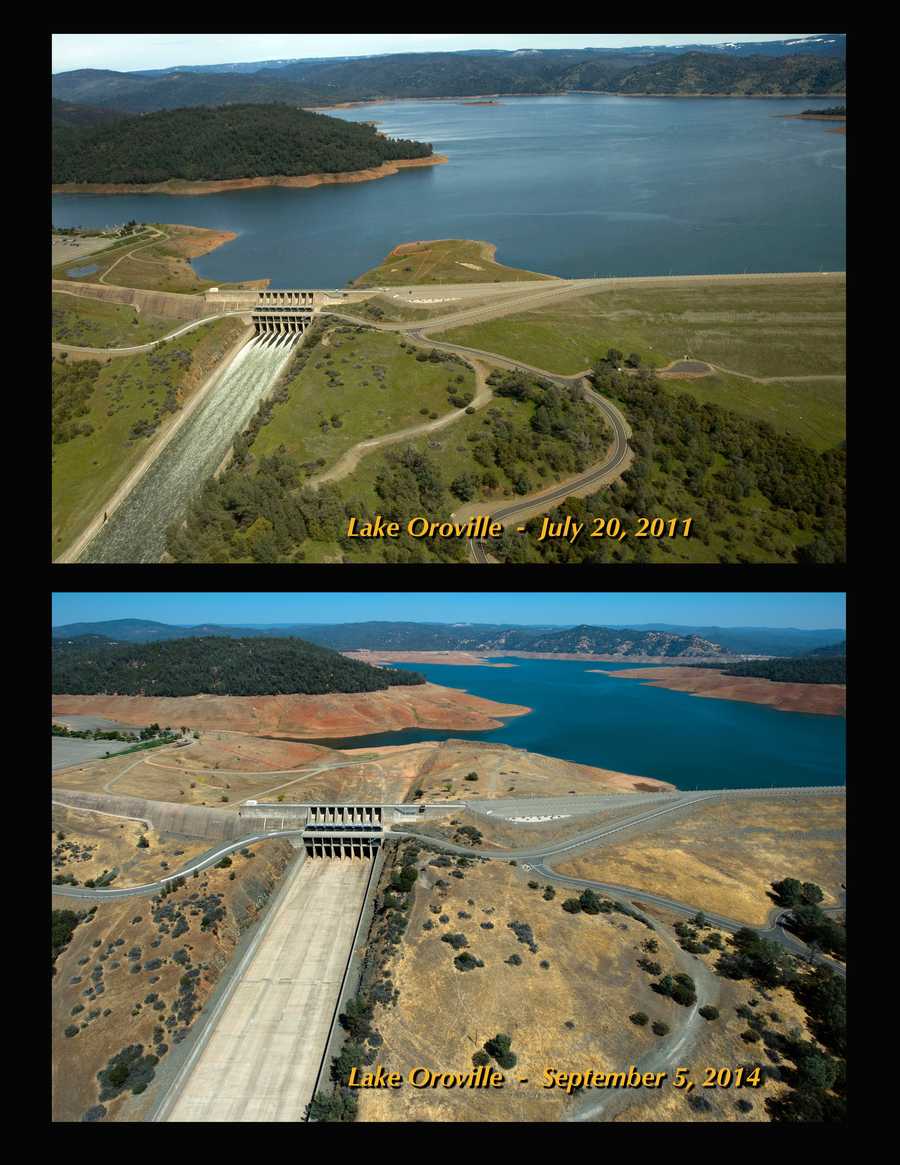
(225, 667)
(233, 141)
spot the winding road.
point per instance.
(536, 858)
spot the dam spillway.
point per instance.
(136, 531)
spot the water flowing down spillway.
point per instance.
(136, 531)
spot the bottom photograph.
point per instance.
(463, 857)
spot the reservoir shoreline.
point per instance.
(180, 186)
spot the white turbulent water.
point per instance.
(136, 532)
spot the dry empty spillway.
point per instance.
(262, 1057)
(136, 531)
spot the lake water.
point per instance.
(630, 727)
(575, 186)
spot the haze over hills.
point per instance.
(802, 68)
(827, 44)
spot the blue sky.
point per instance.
(126, 51)
(782, 609)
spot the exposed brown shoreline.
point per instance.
(823, 699)
(476, 658)
(485, 98)
(182, 186)
(335, 715)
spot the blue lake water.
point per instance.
(576, 186)
(628, 726)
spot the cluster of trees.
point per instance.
(831, 111)
(232, 141)
(72, 388)
(796, 670)
(807, 919)
(818, 1079)
(562, 436)
(705, 460)
(62, 927)
(258, 516)
(680, 988)
(228, 667)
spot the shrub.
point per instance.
(639, 1018)
(709, 1012)
(660, 1028)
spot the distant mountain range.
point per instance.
(421, 637)
(808, 67)
(828, 44)
(645, 639)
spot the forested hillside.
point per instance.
(225, 667)
(233, 141)
(797, 670)
(327, 82)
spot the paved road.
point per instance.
(151, 344)
(262, 1050)
(773, 928)
(598, 474)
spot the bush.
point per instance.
(572, 906)
(639, 1018)
(660, 1028)
(709, 1012)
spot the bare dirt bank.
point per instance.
(457, 658)
(824, 699)
(340, 714)
(181, 186)
(486, 658)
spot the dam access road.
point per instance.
(259, 1051)
(181, 472)
(649, 807)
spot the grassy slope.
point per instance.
(93, 323)
(87, 470)
(765, 330)
(158, 266)
(366, 406)
(441, 261)
(452, 452)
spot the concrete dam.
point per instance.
(136, 530)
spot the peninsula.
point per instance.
(207, 151)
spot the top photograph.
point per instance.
(458, 298)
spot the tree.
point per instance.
(614, 357)
(500, 1048)
(589, 902)
(340, 1106)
